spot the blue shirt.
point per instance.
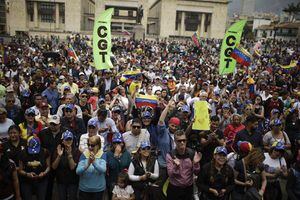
(93, 178)
(164, 144)
(52, 98)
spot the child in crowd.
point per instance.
(123, 191)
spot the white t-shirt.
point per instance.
(123, 192)
(273, 164)
(4, 127)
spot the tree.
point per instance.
(292, 10)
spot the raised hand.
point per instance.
(60, 150)
(197, 157)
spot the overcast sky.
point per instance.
(274, 6)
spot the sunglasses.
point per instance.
(180, 141)
(91, 145)
(92, 127)
(146, 148)
(31, 115)
(136, 127)
(83, 96)
(68, 110)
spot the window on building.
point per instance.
(47, 12)
(116, 12)
(30, 10)
(191, 21)
(62, 12)
(130, 13)
(178, 19)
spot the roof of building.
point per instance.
(288, 25)
(266, 27)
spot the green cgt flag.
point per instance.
(231, 39)
(102, 40)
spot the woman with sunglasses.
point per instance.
(64, 163)
(91, 170)
(216, 180)
(30, 126)
(276, 134)
(118, 159)
(143, 171)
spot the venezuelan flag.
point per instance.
(129, 76)
(72, 53)
(241, 55)
(146, 100)
(195, 39)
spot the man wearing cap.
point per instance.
(92, 129)
(73, 86)
(52, 95)
(50, 138)
(69, 99)
(221, 174)
(116, 116)
(73, 123)
(151, 128)
(106, 126)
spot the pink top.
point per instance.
(182, 175)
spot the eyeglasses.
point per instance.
(91, 145)
(83, 96)
(181, 141)
(136, 127)
(146, 148)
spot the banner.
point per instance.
(102, 40)
(202, 121)
(231, 39)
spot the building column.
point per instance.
(202, 25)
(57, 16)
(182, 25)
(35, 14)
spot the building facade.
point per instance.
(161, 18)
(49, 16)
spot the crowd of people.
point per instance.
(70, 128)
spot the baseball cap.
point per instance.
(276, 122)
(69, 106)
(62, 77)
(30, 111)
(226, 105)
(33, 145)
(10, 89)
(277, 145)
(25, 93)
(146, 114)
(54, 119)
(145, 144)
(101, 100)
(116, 109)
(81, 73)
(67, 88)
(67, 135)
(185, 108)
(92, 122)
(175, 121)
(275, 111)
(117, 138)
(244, 146)
(220, 150)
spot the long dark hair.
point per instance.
(225, 171)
